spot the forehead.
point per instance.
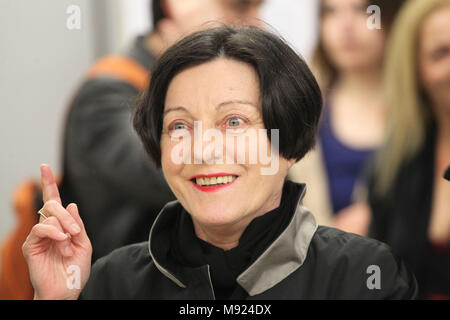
(213, 82)
(436, 27)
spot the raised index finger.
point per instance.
(49, 187)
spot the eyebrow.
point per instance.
(220, 105)
(174, 109)
(225, 103)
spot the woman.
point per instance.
(348, 64)
(236, 230)
(408, 196)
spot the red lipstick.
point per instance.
(212, 188)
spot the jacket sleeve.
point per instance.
(382, 264)
(356, 267)
(98, 285)
(119, 275)
(386, 275)
(404, 285)
(100, 137)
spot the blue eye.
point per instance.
(177, 126)
(234, 122)
(178, 129)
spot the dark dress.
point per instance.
(402, 216)
(344, 165)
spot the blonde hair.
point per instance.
(409, 112)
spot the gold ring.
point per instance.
(42, 214)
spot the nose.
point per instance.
(347, 21)
(208, 144)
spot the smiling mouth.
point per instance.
(211, 183)
(214, 181)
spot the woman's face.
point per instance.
(347, 40)
(434, 58)
(221, 95)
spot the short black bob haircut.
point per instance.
(291, 98)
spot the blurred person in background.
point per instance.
(348, 64)
(408, 196)
(105, 168)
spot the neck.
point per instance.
(364, 82)
(442, 140)
(443, 125)
(227, 236)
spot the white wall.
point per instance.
(295, 20)
(41, 62)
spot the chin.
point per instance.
(215, 215)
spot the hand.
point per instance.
(57, 250)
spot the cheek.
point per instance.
(169, 167)
(330, 36)
(268, 185)
(373, 53)
(435, 79)
(374, 41)
(429, 75)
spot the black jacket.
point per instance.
(106, 169)
(305, 262)
(401, 218)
